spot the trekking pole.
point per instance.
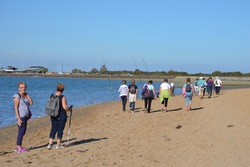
(138, 70)
(108, 79)
(70, 116)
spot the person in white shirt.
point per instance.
(123, 90)
(172, 87)
(165, 94)
(218, 85)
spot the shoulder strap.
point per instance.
(21, 98)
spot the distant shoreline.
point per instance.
(228, 82)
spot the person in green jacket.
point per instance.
(165, 94)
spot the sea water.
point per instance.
(78, 91)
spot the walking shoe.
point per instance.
(21, 150)
(50, 146)
(59, 146)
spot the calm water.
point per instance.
(79, 92)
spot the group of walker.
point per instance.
(166, 91)
(148, 94)
(22, 101)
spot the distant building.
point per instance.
(36, 69)
(31, 69)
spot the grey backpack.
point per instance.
(53, 106)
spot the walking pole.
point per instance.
(70, 116)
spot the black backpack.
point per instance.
(188, 87)
(132, 89)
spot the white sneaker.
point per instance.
(59, 146)
(50, 146)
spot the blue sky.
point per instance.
(182, 35)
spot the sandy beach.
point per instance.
(214, 134)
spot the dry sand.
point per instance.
(215, 134)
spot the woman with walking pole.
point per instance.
(58, 122)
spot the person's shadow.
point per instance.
(83, 141)
(198, 108)
(171, 110)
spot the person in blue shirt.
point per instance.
(22, 101)
(189, 91)
(201, 87)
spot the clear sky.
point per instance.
(181, 35)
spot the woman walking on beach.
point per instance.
(22, 101)
(58, 122)
(189, 91)
(133, 91)
(123, 90)
(210, 84)
(218, 85)
(172, 88)
(148, 94)
(201, 87)
(165, 94)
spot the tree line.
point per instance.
(104, 71)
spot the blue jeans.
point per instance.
(21, 131)
(189, 97)
(124, 102)
(132, 105)
(209, 91)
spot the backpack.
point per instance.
(216, 82)
(144, 89)
(196, 83)
(188, 88)
(146, 92)
(53, 106)
(132, 89)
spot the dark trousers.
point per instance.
(209, 91)
(58, 126)
(204, 91)
(165, 102)
(217, 89)
(147, 103)
(124, 102)
(21, 131)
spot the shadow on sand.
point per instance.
(198, 108)
(83, 141)
(176, 109)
